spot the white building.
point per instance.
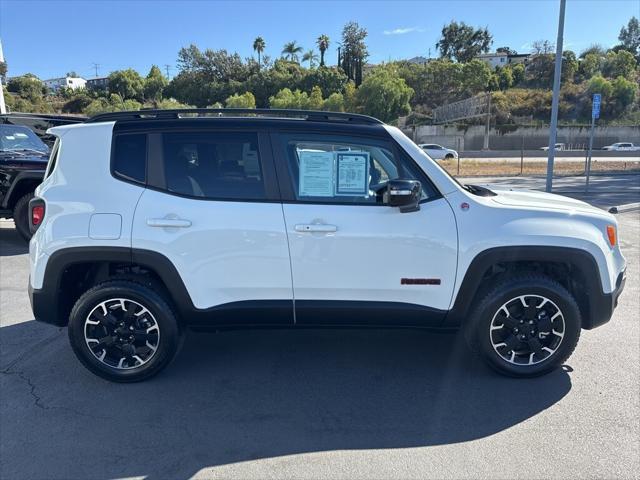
(502, 59)
(497, 59)
(55, 84)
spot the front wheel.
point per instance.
(123, 331)
(525, 326)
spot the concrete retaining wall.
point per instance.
(517, 137)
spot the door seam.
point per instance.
(293, 292)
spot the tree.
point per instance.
(595, 49)
(350, 98)
(384, 94)
(518, 73)
(599, 84)
(258, 46)
(329, 79)
(462, 42)
(323, 46)
(507, 50)
(3, 71)
(620, 64)
(569, 66)
(291, 50)
(505, 78)
(630, 37)
(154, 84)
(316, 101)
(246, 100)
(72, 73)
(28, 87)
(623, 92)
(542, 47)
(311, 57)
(354, 51)
(334, 103)
(126, 83)
(590, 64)
(285, 98)
(475, 75)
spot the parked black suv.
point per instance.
(24, 152)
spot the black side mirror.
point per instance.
(404, 194)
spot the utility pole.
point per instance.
(3, 108)
(487, 125)
(96, 66)
(166, 67)
(556, 98)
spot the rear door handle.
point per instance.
(313, 227)
(168, 222)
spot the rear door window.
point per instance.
(217, 166)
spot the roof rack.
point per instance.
(310, 115)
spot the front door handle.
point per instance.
(314, 227)
(168, 222)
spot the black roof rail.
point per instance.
(311, 115)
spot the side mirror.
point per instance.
(404, 194)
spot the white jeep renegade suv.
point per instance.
(149, 222)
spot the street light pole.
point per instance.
(556, 97)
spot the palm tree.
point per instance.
(259, 46)
(310, 57)
(323, 46)
(291, 51)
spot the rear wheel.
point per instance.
(123, 331)
(449, 156)
(21, 216)
(525, 326)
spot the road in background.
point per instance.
(318, 403)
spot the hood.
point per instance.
(24, 156)
(542, 200)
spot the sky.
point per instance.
(50, 38)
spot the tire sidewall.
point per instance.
(169, 331)
(21, 216)
(509, 290)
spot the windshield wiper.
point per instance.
(24, 149)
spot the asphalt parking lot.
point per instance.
(317, 403)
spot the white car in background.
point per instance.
(622, 147)
(558, 146)
(438, 152)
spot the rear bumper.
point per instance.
(603, 304)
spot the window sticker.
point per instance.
(352, 173)
(316, 174)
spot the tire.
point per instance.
(135, 325)
(449, 156)
(21, 216)
(521, 341)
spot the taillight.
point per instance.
(36, 213)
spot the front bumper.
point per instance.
(603, 304)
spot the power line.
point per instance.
(96, 66)
(167, 67)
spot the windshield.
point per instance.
(16, 138)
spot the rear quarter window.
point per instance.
(129, 160)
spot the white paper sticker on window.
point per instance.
(316, 174)
(352, 173)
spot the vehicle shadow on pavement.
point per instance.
(11, 243)
(245, 395)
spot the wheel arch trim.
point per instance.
(597, 311)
